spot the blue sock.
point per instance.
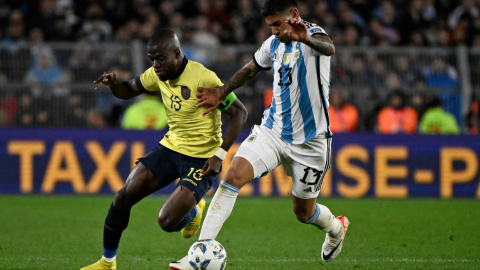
(315, 215)
(109, 253)
(116, 221)
(188, 218)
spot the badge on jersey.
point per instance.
(251, 138)
(185, 92)
(286, 58)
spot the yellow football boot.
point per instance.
(192, 228)
(102, 265)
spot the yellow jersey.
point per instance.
(189, 132)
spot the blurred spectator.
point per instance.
(379, 35)
(397, 117)
(466, 11)
(441, 75)
(8, 105)
(25, 113)
(148, 113)
(202, 37)
(15, 33)
(95, 28)
(436, 120)
(95, 119)
(84, 64)
(74, 111)
(418, 17)
(45, 18)
(407, 72)
(387, 15)
(115, 12)
(376, 74)
(473, 117)
(351, 36)
(220, 18)
(3, 117)
(46, 77)
(392, 81)
(248, 15)
(347, 16)
(343, 116)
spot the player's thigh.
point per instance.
(190, 177)
(154, 171)
(307, 165)
(261, 151)
(189, 190)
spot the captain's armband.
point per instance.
(227, 102)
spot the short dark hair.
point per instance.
(160, 36)
(272, 7)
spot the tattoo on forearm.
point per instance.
(321, 45)
(242, 77)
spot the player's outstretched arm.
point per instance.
(211, 97)
(238, 115)
(298, 31)
(120, 89)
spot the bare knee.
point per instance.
(302, 214)
(239, 174)
(166, 223)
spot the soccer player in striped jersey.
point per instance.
(295, 129)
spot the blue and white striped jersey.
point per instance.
(301, 84)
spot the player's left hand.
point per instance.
(213, 165)
(298, 30)
(209, 97)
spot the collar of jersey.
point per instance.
(181, 69)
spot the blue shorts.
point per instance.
(167, 165)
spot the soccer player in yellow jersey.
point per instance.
(191, 150)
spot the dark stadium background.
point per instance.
(412, 198)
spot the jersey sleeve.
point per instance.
(262, 56)
(314, 29)
(147, 82)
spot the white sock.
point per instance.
(109, 259)
(326, 221)
(219, 210)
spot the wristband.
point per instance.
(221, 153)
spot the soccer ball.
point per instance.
(207, 255)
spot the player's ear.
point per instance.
(177, 53)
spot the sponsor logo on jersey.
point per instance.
(315, 30)
(190, 180)
(185, 92)
(308, 189)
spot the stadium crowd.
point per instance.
(215, 22)
(49, 73)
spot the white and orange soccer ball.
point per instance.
(207, 255)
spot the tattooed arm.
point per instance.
(240, 78)
(211, 97)
(322, 44)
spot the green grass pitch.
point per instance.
(65, 232)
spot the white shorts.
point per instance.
(306, 163)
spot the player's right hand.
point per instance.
(209, 97)
(108, 78)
